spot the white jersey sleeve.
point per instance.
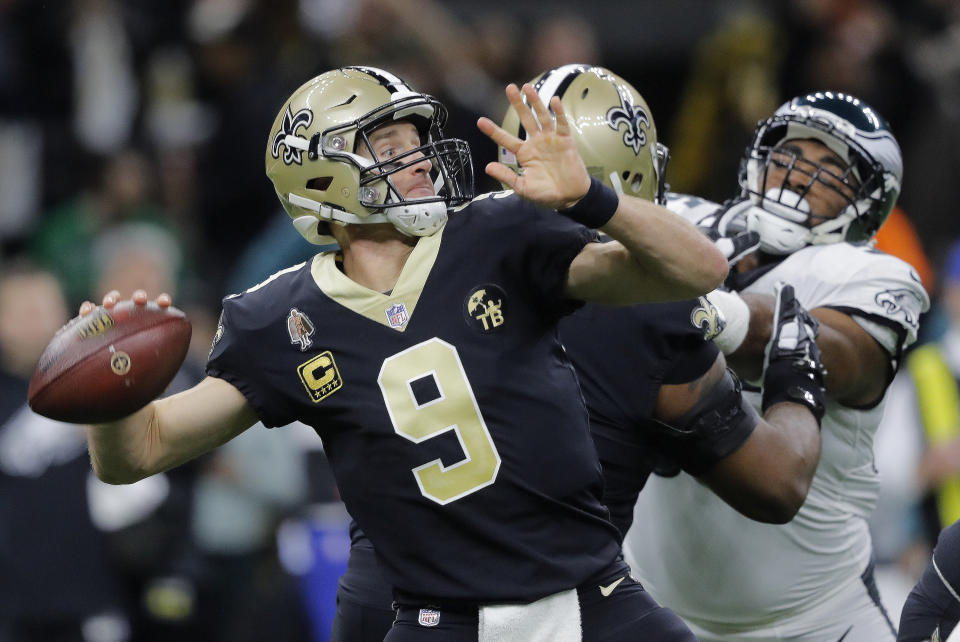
(880, 292)
(692, 208)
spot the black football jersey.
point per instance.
(622, 357)
(933, 604)
(448, 409)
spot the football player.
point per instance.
(818, 180)
(424, 353)
(658, 392)
(932, 609)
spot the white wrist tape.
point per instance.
(736, 315)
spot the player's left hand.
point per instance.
(727, 229)
(735, 247)
(793, 369)
(553, 174)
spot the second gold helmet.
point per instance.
(612, 124)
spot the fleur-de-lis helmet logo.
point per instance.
(291, 123)
(633, 116)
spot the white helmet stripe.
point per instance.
(388, 80)
(554, 83)
(550, 83)
(398, 89)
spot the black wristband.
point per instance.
(597, 206)
(796, 383)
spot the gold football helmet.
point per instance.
(613, 126)
(320, 178)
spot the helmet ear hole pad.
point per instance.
(320, 183)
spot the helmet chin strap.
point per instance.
(777, 236)
(332, 214)
(778, 219)
(418, 219)
(411, 218)
(616, 182)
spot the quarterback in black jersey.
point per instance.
(425, 354)
(640, 367)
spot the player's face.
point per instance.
(393, 140)
(814, 171)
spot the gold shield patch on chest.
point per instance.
(320, 376)
(485, 307)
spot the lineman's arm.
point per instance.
(768, 476)
(858, 368)
(657, 255)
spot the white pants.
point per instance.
(851, 616)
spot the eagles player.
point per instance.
(452, 420)
(818, 180)
(641, 367)
(932, 609)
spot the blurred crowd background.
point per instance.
(132, 139)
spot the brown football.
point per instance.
(109, 363)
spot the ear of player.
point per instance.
(793, 370)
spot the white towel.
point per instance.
(555, 618)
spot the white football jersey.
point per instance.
(692, 208)
(725, 572)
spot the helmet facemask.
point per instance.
(451, 169)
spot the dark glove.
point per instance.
(793, 370)
(727, 229)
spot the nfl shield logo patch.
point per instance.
(397, 315)
(429, 617)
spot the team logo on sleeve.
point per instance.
(397, 316)
(485, 307)
(320, 376)
(707, 317)
(300, 328)
(901, 302)
(291, 123)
